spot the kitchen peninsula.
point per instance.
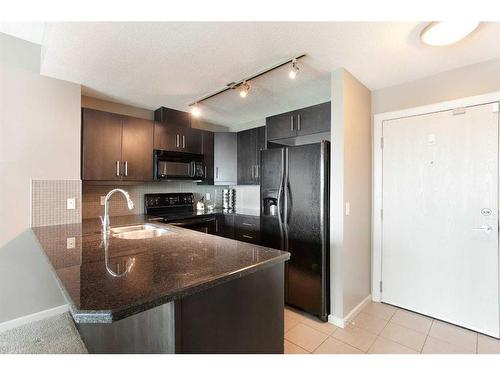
(179, 291)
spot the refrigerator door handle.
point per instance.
(280, 190)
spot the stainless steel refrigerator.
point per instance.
(295, 187)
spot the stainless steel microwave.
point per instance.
(170, 165)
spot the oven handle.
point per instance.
(193, 221)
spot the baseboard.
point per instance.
(343, 322)
(10, 324)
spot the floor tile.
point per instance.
(404, 336)
(357, 337)
(334, 346)
(380, 310)
(294, 314)
(315, 323)
(291, 348)
(487, 345)
(305, 337)
(412, 320)
(454, 335)
(370, 323)
(290, 323)
(385, 346)
(435, 346)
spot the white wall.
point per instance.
(39, 139)
(470, 80)
(350, 234)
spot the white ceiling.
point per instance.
(173, 63)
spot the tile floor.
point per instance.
(382, 329)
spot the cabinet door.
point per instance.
(191, 140)
(261, 145)
(247, 144)
(281, 126)
(208, 157)
(101, 145)
(166, 137)
(315, 119)
(225, 158)
(137, 149)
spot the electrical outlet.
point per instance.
(71, 203)
(207, 196)
(103, 198)
(70, 242)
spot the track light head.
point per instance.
(244, 89)
(294, 70)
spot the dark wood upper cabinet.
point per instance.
(315, 119)
(101, 145)
(250, 142)
(208, 156)
(305, 121)
(137, 149)
(116, 147)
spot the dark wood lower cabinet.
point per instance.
(244, 315)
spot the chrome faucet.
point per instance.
(105, 219)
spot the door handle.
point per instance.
(125, 166)
(117, 163)
(484, 228)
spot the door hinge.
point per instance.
(459, 111)
(380, 286)
(381, 142)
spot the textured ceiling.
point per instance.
(172, 64)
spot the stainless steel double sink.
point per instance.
(138, 232)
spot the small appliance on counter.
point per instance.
(229, 199)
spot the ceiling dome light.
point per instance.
(294, 70)
(245, 88)
(447, 32)
(195, 110)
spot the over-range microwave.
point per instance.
(171, 165)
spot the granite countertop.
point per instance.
(161, 269)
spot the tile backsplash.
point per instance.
(246, 196)
(49, 202)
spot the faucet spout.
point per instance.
(105, 218)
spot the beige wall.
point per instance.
(39, 139)
(123, 109)
(40, 132)
(471, 80)
(350, 184)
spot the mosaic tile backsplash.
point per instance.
(92, 194)
(49, 202)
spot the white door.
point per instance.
(440, 216)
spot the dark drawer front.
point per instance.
(248, 223)
(247, 236)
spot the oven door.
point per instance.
(204, 225)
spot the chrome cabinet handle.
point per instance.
(253, 171)
(117, 163)
(291, 123)
(248, 224)
(125, 167)
(177, 140)
(484, 228)
(298, 122)
(256, 171)
(217, 172)
(183, 142)
(246, 236)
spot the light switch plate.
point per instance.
(70, 242)
(103, 198)
(71, 203)
(207, 196)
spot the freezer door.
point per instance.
(307, 227)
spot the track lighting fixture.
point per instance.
(294, 70)
(244, 89)
(195, 110)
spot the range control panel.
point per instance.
(168, 200)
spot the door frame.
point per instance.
(378, 120)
